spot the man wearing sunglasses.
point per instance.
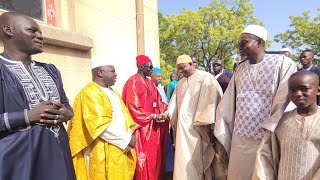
(219, 73)
(192, 113)
(256, 98)
(145, 106)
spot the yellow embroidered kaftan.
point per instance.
(92, 115)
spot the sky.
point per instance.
(274, 13)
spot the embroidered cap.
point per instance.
(184, 59)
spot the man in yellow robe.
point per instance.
(101, 139)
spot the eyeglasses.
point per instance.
(243, 42)
(150, 66)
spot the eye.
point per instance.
(32, 30)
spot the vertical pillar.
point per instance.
(140, 27)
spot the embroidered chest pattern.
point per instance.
(37, 84)
(253, 104)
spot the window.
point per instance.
(43, 10)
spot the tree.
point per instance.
(211, 32)
(303, 33)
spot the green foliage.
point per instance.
(211, 32)
(303, 33)
(167, 69)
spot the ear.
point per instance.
(7, 30)
(99, 73)
(318, 93)
(140, 68)
(259, 43)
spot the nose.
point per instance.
(298, 94)
(39, 35)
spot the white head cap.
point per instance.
(286, 50)
(98, 61)
(256, 30)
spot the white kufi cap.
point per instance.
(286, 50)
(98, 61)
(256, 30)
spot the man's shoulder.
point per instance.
(135, 78)
(223, 78)
(90, 89)
(315, 69)
(47, 66)
(280, 58)
(227, 73)
(173, 82)
(204, 73)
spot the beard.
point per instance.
(243, 58)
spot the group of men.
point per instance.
(246, 133)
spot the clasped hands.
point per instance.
(160, 117)
(49, 113)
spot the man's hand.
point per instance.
(127, 149)
(36, 113)
(49, 112)
(57, 115)
(160, 118)
(133, 141)
(164, 116)
(131, 144)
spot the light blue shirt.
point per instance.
(163, 95)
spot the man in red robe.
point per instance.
(145, 106)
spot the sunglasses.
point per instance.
(216, 64)
(150, 66)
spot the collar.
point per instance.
(308, 69)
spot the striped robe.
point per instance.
(292, 152)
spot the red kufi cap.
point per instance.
(142, 59)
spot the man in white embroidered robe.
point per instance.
(256, 96)
(192, 113)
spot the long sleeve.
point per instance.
(225, 115)
(63, 97)
(267, 158)
(55, 73)
(142, 99)
(173, 110)
(116, 133)
(113, 136)
(281, 99)
(135, 104)
(15, 120)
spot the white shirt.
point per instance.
(116, 133)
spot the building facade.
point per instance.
(76, 30)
